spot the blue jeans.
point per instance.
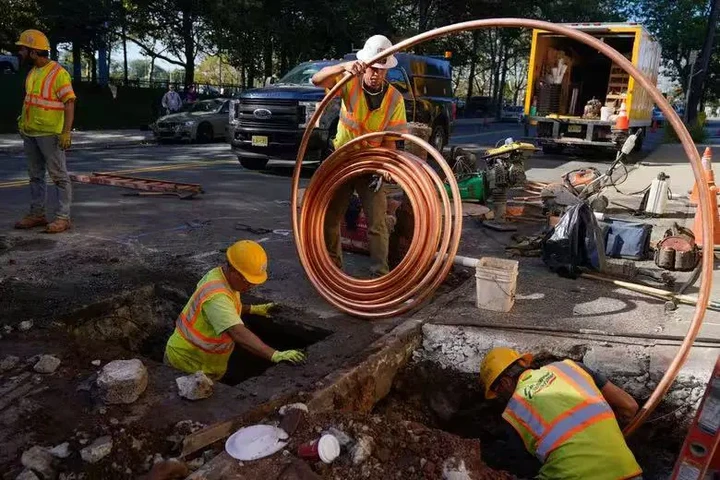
(44, 153)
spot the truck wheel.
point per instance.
(252, 163)
(438, 137)
(552, 150)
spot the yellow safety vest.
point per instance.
(194, 333)
(357, 119)
(566, 423)
(46, 90)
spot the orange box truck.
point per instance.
(575, 93)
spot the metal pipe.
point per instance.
(316, 244)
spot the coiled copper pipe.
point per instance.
(310, 244)
(438, 224)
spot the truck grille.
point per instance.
(284, 114)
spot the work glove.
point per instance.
(292, 356)
(65, 140)
(262, 309)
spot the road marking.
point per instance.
(497, 132)
(159, 168)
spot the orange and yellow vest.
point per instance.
(566, 423)
(46, 91)
(357, 119)
(194, 332)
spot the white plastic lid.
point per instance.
(328, 448)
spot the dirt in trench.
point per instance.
(399, 449)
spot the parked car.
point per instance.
(511, 113)
(657, 116)
(202, 121)
(267, 123)
(9, 64)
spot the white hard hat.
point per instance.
(373, 46)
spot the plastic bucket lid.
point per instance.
(328, 448)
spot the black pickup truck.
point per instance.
(267, 124)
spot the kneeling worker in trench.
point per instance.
(211, 323)
(564, 414)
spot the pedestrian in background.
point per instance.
(171, 101)
(45, 124)
(191, 95)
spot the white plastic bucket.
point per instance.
(495, 282)
(605, 113)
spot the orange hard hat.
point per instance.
(34, 39)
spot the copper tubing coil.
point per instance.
(438, 223)
(310, 245)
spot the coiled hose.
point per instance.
(382, 297)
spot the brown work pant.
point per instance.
(374, 205)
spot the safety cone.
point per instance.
(709, 176)
(622, 122)
(697, 226)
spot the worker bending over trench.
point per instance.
(564, 414)
(211, 323)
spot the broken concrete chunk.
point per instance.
(286, 408)
(25, 326)
(97, 450)
(196, 464)
(187, 427)
(292, 420)
(27, 475)
(61, 451)
(47, 364)
(40, 461)
(122, 381)
(7, 329)
(454, 469)
(195, 387)
(96, 363)
(362, 450)
(8, 363)
(343, 438)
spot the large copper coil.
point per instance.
(309, 244)
(436, 235)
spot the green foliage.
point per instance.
(697, 132)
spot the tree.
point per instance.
(696, 83)
(216, 70)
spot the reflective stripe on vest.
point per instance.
(549, 436)
(185, 323)
(45, 99)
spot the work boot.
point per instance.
(31, 221)
(59, 225)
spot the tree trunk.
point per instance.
(473, 63)
(125, 62)
(77, 62)
(93, 68)
(53, 51)
(697, 83)
(151, 72)
(189, 42)
(501, 92)
(268, 57)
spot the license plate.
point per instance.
(574, 128)
(259, 141)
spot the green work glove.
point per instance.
(262, 309)
(292, 356)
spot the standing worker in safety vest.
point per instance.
(211, 323)
(45, 124)
(565, 415)
(369, 104)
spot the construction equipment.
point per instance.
(700, 458)
(677, 251)
(182, 190)
(504, 169)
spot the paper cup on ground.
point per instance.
(325, 448)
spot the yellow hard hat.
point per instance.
(250, 259)
(34, 39)
(496, 361)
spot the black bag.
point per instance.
(576, 241)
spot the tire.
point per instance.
(252, 163)
(552, 150)
(438, 137)
(204, 133)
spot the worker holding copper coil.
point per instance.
(369, 104)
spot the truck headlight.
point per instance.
(310, 109)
